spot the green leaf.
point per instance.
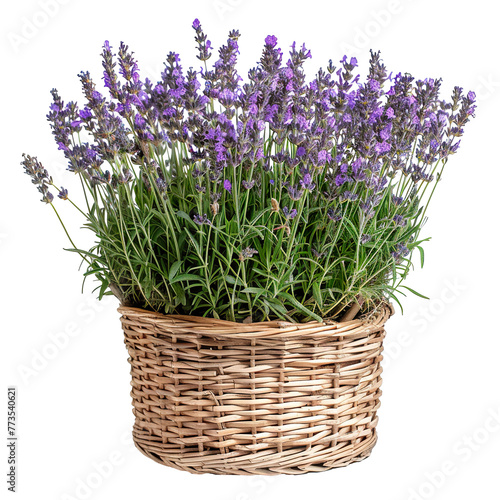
(317, 294)
(233, 281)
(194, 242)
(256, 291)
(186, 277)
(185, 216)
(299, 306)
(275, 306)
(173, 270)
(180, 296)
(421, 251)
(414, 292)
(393, 296)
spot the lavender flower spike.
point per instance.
(39, 176)
(63, 194)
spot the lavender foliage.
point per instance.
(185, 178)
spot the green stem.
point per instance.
(69, 237)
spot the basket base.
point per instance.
(269, 462)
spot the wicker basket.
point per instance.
(218, 397)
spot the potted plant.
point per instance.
(255, 235)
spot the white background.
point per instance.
(441, 378)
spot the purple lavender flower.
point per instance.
(385, 133)
(271, 41)
(402, 249)
(85, 114)
(341, 179)
(289, 214)
(63, 194)
(397, 200)
(454, 147)
(382, 147)
(368, 208)
(295, 193)
(201, 219)
(322, 158)
(301, 151)
(399, 252)
(434, 145)
(204, 45)
(358, 168)
(227, 185)
(349, 195)
(109, 74)
(39, 176)
(142, 129)
(400, 220)
(307, 183)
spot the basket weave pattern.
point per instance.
(260, 398)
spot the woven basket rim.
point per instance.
(260, 329)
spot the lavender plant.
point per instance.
(274, 198)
